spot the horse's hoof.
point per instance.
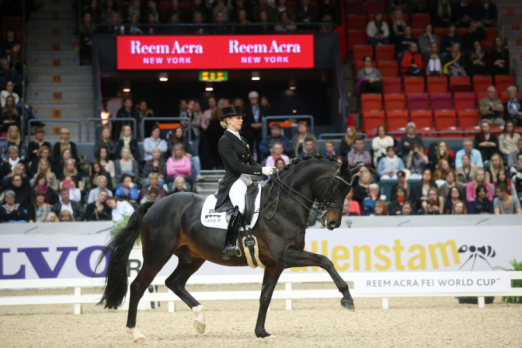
(139, 340)
(199, 327)
(348, 304)
(136, 334)
(270, 339)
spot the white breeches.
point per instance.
(238, 190)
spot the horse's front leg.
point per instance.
(269, 282)
(301, 258)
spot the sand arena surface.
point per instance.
(413, 322)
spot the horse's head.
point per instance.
(331, 193)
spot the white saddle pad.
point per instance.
(209, 218)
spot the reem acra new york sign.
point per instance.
(215, 52)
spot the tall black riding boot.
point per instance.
(231, 248)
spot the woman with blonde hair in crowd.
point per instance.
(127, 140)
(451, 182)
(478, 180)
(59, 166)
(50, 217)
(10, 116)
(380, 209)
(497, 164)
(416, 161)
(102, 156)
(44, 167)
(66, 216)
(43, 153)
(13, 140)
(298, 140)
(348, 141)
(466, 173)
(362, 190)
(180, 185)
(459, 208)
(179, 164)
(441, 152)
(441, 171)
(37, 143)
(276, 152)
(64, 144)
(69, 170)
(107, 142)
(99, 210)
(126, 165)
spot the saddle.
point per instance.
(250, 204)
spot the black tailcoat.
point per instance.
(237, 160)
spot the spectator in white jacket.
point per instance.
(119, 208)
(390, 165)
(377, 31)
(380, 143)
(154, 142)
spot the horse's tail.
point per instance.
(119, 248)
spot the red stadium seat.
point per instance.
(481, 83)
(468, 118)
(502, 82)
(356, 22)
(419, 20)
(422, 118)
(413, 85)
(384, 52)
(445, 119)
(392, 85)
(437, 84)
(464, 101)
(371, 102)
(451, 133)
(504, 96)
(394, 102)
(460, 84)
(418, 101)
(440, 101)
(354, 7)
(165, 8)
(462, 31)
(491, 34)
(388, 68)
(440, 32)
(373, 6)
(373, 119)
(361, 51)
(356, 37)
(396, 119)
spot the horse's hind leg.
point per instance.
(137, 288)
(177, 281)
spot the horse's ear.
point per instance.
(357, 169)
(344, 166)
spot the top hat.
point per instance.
(232, 111)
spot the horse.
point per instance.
(172, 225)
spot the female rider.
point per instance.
(239, 166)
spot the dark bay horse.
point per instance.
(173, 226)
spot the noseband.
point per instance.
(322, 206)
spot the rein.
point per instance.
(322, 206)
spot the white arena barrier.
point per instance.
(288, 294)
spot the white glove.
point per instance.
(519, 175)
(268, 170)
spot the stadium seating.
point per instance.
(464, 101)
(356, 37)
(452, 132)
(445, 119)
(388, 68)
(373, 6)
(361, 51)
(396, 119)
(372, 120)
(502, 82)
(419, 20)
(355, 7)
(422, 118)
(394, 102)
(356, 22)
(468, 118)
(437, 84)
(371, 102)
(460, 84)
(392, 85)
(504, 96)
(481, 83)
(413, 85)
(384, 52)
(418, 101)
(440, 101)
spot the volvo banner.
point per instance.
(447, 249)
(215, 52)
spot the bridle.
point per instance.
(322, 205)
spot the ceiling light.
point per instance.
(209, 87)
(126, 86)
(256, 76)
(292, 84)
(163, 77)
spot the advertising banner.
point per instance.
(215, 52)
(433, 282)
(440, 249)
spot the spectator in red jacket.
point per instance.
(412, 64)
